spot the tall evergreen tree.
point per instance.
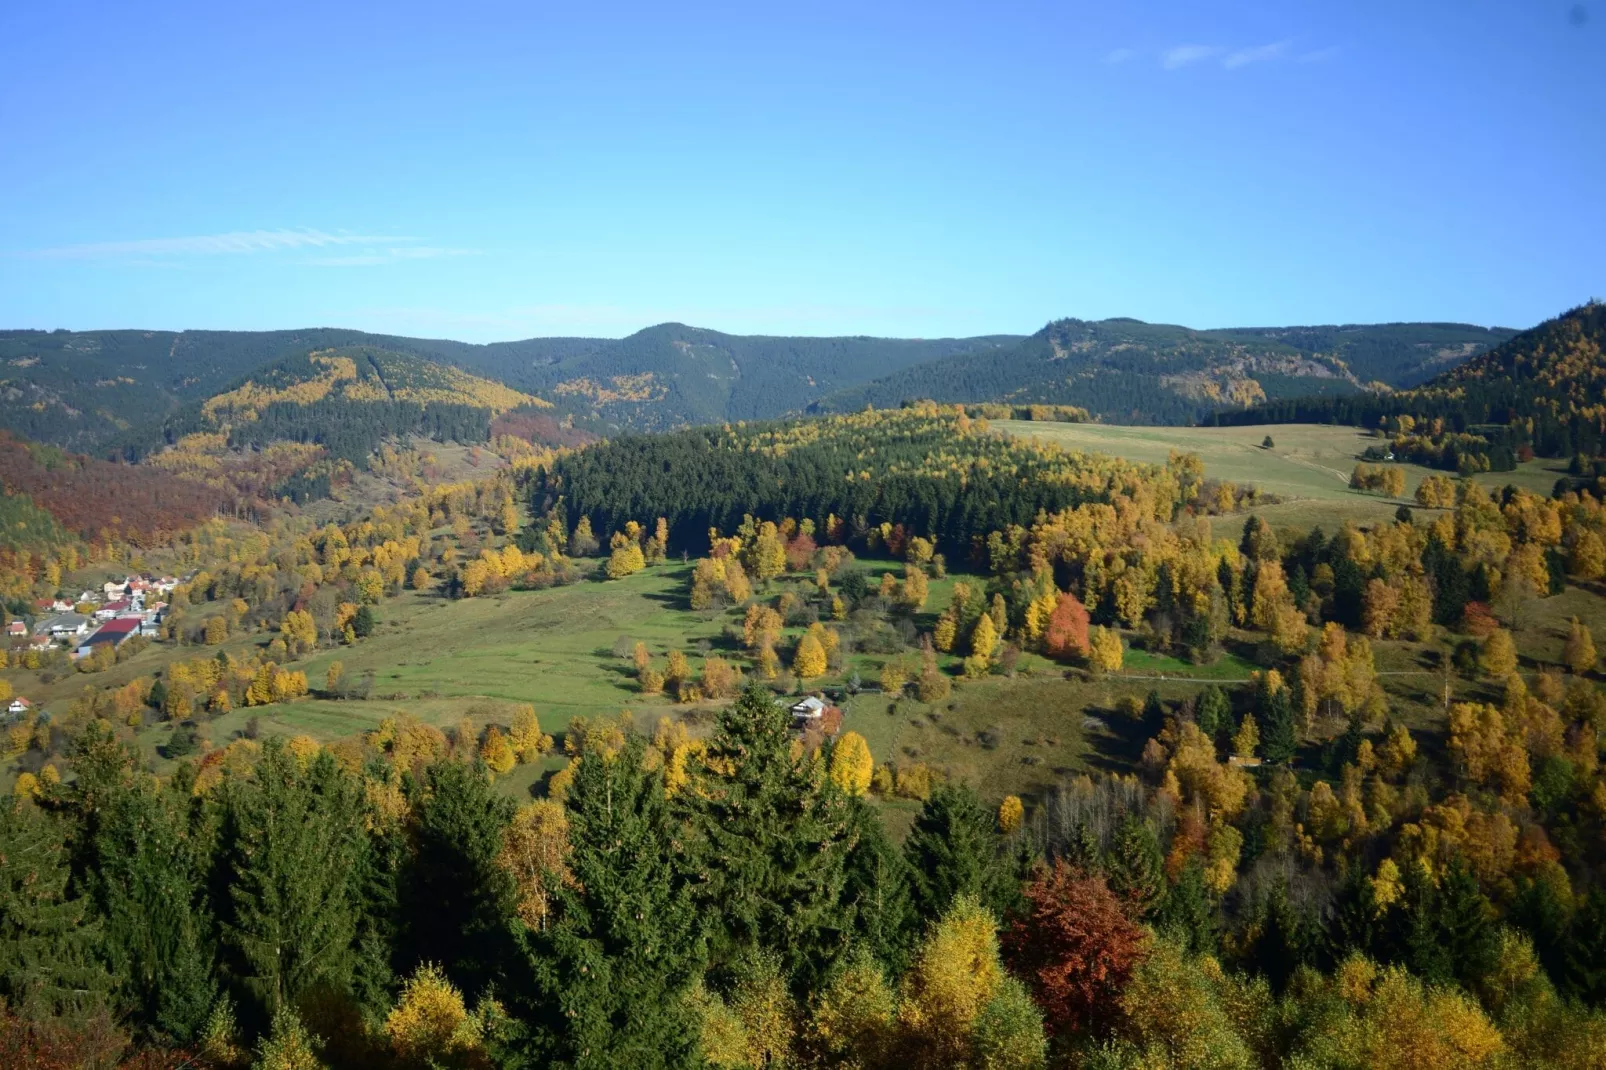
(1134, 865)
(612, 970)
(773, 842)
(456, 900)
(1186, 913)
(291, 842)
(878, 892)
(1583, 959)
(48, 945)
(954, 850)
(149, 882)
(1279, 727)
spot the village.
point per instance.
(107, 617)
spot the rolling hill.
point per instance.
(1542, 390)
(89, 390)
(1128, 371)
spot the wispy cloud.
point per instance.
(1180, 56)
(1259, 54)
(371, 257)
(1119, 55)
(242, 242)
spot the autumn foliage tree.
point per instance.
(1066, 635)
(1076, 947)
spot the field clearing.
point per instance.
(1309, 465)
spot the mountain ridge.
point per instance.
(85, 390)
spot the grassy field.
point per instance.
(1309, 465)
(565, 651)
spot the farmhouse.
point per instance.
(19, 706)
(17, 629)
(813, 713)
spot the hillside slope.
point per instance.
(1128, 371)
(1544, 389)
(346, 400)
(86, 389)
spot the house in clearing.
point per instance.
(17, 629)
(19, 706)
(813, 713)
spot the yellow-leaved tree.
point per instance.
(526, 737)
(497, 752)
(1580, 653)
(958, 1007)
(1105, 650)
(430, 1023)
(1499, 655)
(1011, 812)
(809, 662)
(852, 764)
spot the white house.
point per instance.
(66, 626)
(19, 706)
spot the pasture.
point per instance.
(1308, 465)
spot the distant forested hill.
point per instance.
(1543, 390)
(672, 375)
(1128, 371)
(88, 389)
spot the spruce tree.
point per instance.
(49, 964)
(1279, 727)
(954, 850)
(1583, 957)
(456, 900)
(1466, 927)
(1186, 913)
(773, 842)
(148, 878)
(1289, 937)
(291, 842)
(1213, 712)
(878, 892)
(626, 943)
(1134, 865)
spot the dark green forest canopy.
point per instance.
(933, 472)
(88, 389)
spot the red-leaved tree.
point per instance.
(1066, 634)
(1075, 947)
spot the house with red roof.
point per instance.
(116, 632)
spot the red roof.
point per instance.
(120, 626)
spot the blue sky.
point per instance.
(484, 171)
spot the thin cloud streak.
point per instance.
(1173, 59)
(1245, 56)
(1119, 55)
(390, 256)
(231, 244)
